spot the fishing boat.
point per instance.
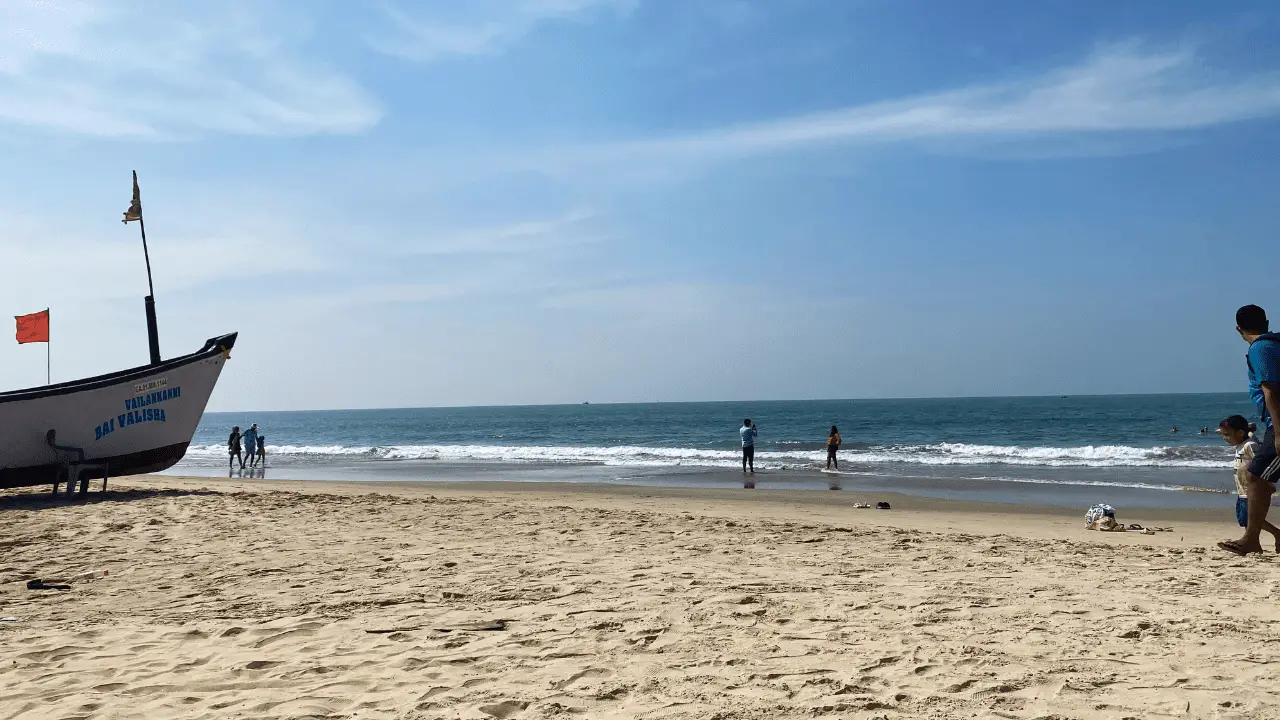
(134, 421)
(125, 423)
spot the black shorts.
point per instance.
(749, 452)
(1265, 464)
(831, 450)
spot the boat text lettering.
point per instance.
(152, 398)
(133, 417)
(151, 385)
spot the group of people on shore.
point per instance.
(254, 444)
(749, 431)
(1257, 463)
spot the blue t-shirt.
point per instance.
(748, 435)
(1264, 367)
(251, 439)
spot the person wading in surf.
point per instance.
(833, 444)
(251, 445)
(233, 448)
(1263, 360)
(748, 433)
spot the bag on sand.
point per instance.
(1099, 515)
(1105, 524)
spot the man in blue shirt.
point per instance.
(748, 433)
(1263, 360)
(251, 444)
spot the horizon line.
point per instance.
(726, 402)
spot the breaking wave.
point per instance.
(779, 456)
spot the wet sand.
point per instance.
(289, 599)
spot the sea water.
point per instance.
(1057, 450)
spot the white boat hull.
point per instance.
(134, 421)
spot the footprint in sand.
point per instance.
(588, 673)
(997, 690)
(306, 630)
(504, 709)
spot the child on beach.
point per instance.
(262, 450)
(833, 444)
(1237, 432)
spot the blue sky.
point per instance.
(526, 201)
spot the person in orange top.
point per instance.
(833, 444)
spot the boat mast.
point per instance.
(135, 213)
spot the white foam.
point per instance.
(1085, 456)
(1100, 456)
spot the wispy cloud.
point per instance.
(192, 254)
(572, 228)
(644, 300)
(144, 69)
(1120, 89)
(476, 27)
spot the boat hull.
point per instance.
(135, 421)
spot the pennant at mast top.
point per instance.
(135, 208)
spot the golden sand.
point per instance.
(259, 599)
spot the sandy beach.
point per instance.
(269, 599)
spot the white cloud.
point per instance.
(144, 69)
(1121, 89)
(477, 27)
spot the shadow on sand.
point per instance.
(37, 499)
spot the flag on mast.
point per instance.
(135, 208)
(33, 328)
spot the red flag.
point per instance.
(33, 328)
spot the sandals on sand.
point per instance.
(1234, 547)
(39, 584)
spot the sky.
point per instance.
(401, 204)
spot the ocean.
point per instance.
(1040, 450)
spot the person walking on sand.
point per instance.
(833, 444)
(1263, 361)
(251, 444)
(1236, 432)
(262, 450)
(233, 448)
(748, 433)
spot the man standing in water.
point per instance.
(251, 445)
(1263, 360)
(748, 433)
